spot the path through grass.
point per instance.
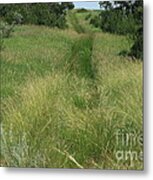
(75, 22)
(65, 95)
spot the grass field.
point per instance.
(65, 94)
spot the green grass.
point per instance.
(65, 95)
(80, 61)
(75, 22)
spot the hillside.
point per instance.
(64, 96)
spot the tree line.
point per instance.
(48, 14)
(119, 17)
(123, 18)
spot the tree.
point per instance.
(124, 18)
(49, 14)
(107, 5)
(68, 5)
(137, 48)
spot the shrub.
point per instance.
(17, 18)
(5, 29)
(115, 21)
(1, 40)
(123, 18)
(2, 26)
(95, 21)
(137, 48)
(48, 14)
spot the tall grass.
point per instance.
(80, 60)
(75, 23)
(54, 116)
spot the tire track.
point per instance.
(80, 61)
(75, 23)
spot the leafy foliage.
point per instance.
(137, 48)
(1, 39)
(95, 21)
(123, 18)
(5, 29)
(49, 14)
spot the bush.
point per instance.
(137, 48)
(123, 18)
(5, 29)
(2, 27)
(17, 18)
(115, 21)
(48, 14)
(1, 41)
(95, 21)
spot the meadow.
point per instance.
(65, 94)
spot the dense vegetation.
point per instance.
(65, 93)
(49, 14)
(123, 18)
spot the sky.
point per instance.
(87, 5)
